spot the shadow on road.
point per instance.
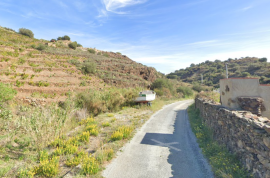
(185, 156)
(157, 139)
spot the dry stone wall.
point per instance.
(252, 104)
(245, 134)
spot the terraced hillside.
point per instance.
(48, 74)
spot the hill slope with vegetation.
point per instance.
(65, 109)
(212, 72)
(50, 69)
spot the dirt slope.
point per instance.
(48, 74)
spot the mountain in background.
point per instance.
(212, 72)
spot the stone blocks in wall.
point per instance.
(252, 104)
(245, 134)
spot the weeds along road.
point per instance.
(164, 147)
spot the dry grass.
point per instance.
(33, 129)
(50, 141)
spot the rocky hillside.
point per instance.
(212, 72)
(49, 70)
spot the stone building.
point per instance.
(247, 94)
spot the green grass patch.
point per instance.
(224, 164)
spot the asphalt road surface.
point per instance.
(164, 147)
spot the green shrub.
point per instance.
(164, 85)
(254, 67)
(79, 45)
(25, 173)
(90, 165)
(48, 167)
(198, 87)
(159, 92)
(186, 91)
(64, 38)
(83, 83)
(24, 76)
(245, 74)
(89, 67)
(264, 59)
(26, 32)
(161, 83)
(19, 84)
(73, 45)
(6, 92)
(94, 132)
(75, 62)
(21, 60)
(117, 135)
(172, 76)
(110, 114)
(105, 101)
(106, 124)
(92, 51)
(41, 47)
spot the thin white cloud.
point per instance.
(246, 8)
(115, 5)
(203, 42)
(102, 13)
(33, 15)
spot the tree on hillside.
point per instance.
(73, 45)
(64, 38)
(163, 86)
(26, 32)
(172, 76)
(89, 67)
(264, 59)
(186, 91)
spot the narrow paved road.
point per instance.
(164, 147)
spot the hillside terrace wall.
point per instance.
(243, 133)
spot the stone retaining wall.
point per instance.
(245, 134)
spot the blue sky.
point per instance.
(167, 35)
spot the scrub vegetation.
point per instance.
(223, 163)
(54, 140)
(213, 71)
(67, 111)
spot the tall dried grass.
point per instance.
(110, 100)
